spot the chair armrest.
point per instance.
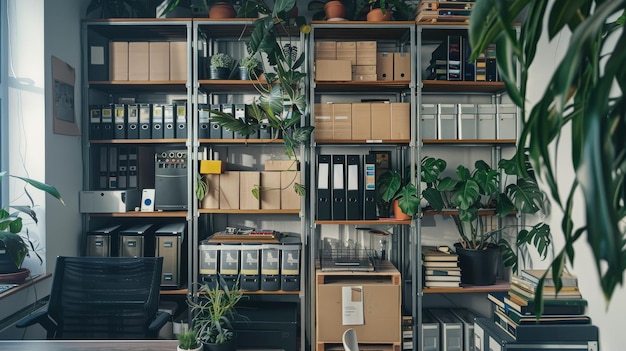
(159, 321)
(33, 318)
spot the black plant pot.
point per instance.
(230, 345)
(478, 267)
(220, 72)
(6, 261)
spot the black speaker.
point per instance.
(170, 183)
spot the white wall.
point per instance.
(606, 316)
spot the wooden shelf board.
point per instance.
(139, 214)
(174, 291)
(499, 286)
(386, 221)
(288, 211)
(451, 212)
(139, 141)
(362, 141)
(471, 142)
(227, 84)
(448, 86)
(361, 86)
(118, 86)
(384, 30)
(240, 141)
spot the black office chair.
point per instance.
(103, 298)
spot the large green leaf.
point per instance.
(526, 196)
(467, 194)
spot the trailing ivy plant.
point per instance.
(586, 94)
(282, 100)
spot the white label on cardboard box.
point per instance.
(352, 305)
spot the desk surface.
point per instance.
(88, 345)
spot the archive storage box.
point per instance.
(169, 243)
(250, 267)
(290, 264)
(132, 242)
(101, 241)
(209, 258)
(270, 267)
(229, 263)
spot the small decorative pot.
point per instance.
(244, 74)
(219, 72)
(376, 15)
(397, 211)
(222, 10)
(334, 9)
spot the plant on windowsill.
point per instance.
(480, 189)
(282, 101)
(14, 238)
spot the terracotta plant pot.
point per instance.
(397, 212)
(222, 10)
(335, 9)
(376, 15)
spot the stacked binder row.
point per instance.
(441, 268)
(138, 121)
(346, 187)
(515, 313)
(208, 129)
(448, 329)
(117, 167)
(450, 61)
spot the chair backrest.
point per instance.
(350, 342)
(105, 297)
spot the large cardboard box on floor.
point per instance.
(333, 70)
(381, 311)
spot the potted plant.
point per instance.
(119, 8)
(14, 239)
(332, 10)
(212, 315)
(221, 64)
(385, 10)
(249, 67)
(188, 341)
(213, 8)
(472, 195)
(396, 189)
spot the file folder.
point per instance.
(240, 114)
(103, 167)
(157, 121)
(112, 168)
(168, 121)
(338, 191)
(181, 121)
(204, 125)
(145, 120)
(467, 122)
(132, 113)
(132, 167)
(95, 131)
(446, 119)
(323, 188)
(450, 330)
(469, 68)
(430, 332)
(230, 109)
(215, 130)
(454, 57)
(107, 121)
(467, 319)
(98, 56)
(122, 167)
(369, 187)
(120, 121)
(354, 195)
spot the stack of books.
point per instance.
(441, 267)
(407, 333)
(516, 311)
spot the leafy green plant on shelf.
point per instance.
(281, 102)
(13, 234)
(485, 188)
(585, 92)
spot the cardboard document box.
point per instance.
(342, 121)
(333, 70)
(270, 191)
(486, 121)
(138, 60)
(229, 190)
(212, 197)
(118, 60)
(178, 60)
(346, 50)
(289, 199)
(401, 66)
(325, 50)
(159, 60)
(400, 120)
(384, 65)
(361, 121)
(428, 121)
(323, 122)
(381, 121)
(247, 182)
(366, 52)
(467, 122)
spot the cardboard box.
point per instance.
(281, 165)
(400, 120)
(118, 60)
(366, 53)
(361, 121)
(247, 182)
(270, 191)
(381, 312)
(342, 121)
(229, 190)
(178, 60)
(346, 50)
(212, 197)
(364, 77)
(325, 50)
(333, 70)
(211, 166)
(364, 69)
(289, 199)
(323, 120)
(138, 60)
(381, 121)
(401, 66)
(159, 61)
(384, 65)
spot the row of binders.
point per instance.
(468, 121)
(450, 61)
(118, 167)
(138, 121)
(442, 329)
(346, 187)
(207, 129)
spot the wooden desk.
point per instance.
(88, 345)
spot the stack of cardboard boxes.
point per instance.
(142, 61)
